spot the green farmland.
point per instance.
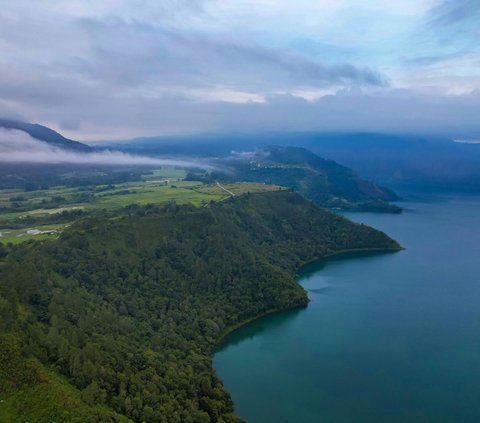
(43, 214)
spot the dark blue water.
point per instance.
(386, 338)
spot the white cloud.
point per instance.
(19, 147)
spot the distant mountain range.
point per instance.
(401, 161)
(431, 163)
(325, 182)
(394, 160)
(45, 134)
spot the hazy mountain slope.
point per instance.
(35, 175)
(403, 160)
(323, 181)
(45, 134)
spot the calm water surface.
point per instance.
(386, 338)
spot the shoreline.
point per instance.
(229, 330)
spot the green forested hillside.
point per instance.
(325, 182)
(118, 317)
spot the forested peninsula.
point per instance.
(116, 320)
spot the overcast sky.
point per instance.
(114, 69)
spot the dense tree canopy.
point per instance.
(119, 316)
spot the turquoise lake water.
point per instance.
(386, 338)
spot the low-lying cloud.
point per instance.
(249, 155)
(19, 147)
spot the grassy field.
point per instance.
(165, 173)
(47, 201)
(237, 188)
(58, 199)
(35, 199)
(182, 192)
(16, 236)
(21, 208)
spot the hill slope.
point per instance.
(45, 134)
(325, 182)
(129, 310)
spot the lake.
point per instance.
(386, 338)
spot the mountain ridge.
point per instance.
(326, 182)
(44, 134)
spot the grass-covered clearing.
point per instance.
(25, 215)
